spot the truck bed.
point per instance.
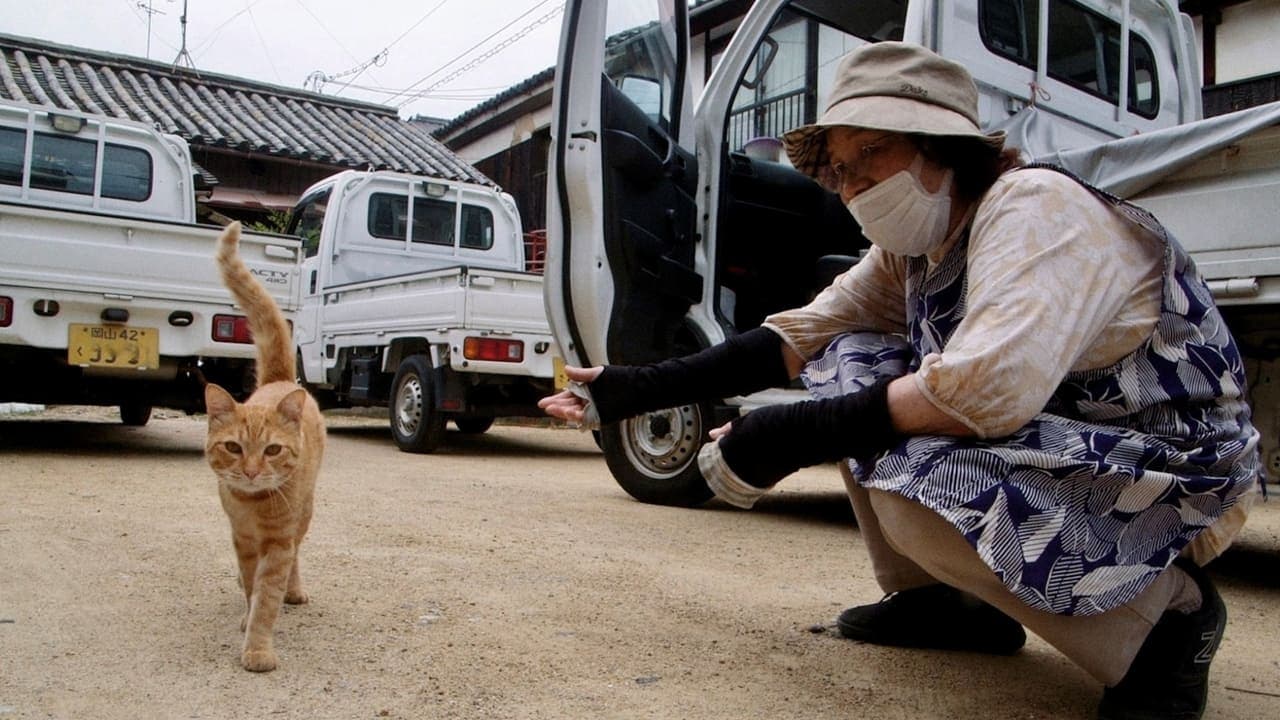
(96, 253)
(457, 297)
(441, 306)
(86, 261)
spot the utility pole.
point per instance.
(182, 53)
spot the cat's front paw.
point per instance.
(297, 597)
(259, 660)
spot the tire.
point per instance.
(473, 425)
(654, 457)
(416, 424)
(135, 414)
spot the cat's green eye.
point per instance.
(233, 447)
(272, 449)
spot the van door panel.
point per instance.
(648, 231)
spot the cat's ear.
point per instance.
(290, 406)
(218, 403)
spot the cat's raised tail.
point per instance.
(271, 334)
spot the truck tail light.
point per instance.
(6, 311)
(231, 328)
(493, 349)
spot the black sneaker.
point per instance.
(933, 616)
(1169, 677)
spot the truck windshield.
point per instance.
(307, 219)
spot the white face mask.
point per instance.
(900, 216)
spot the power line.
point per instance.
(464, 53)
(318, 78)
(487, 55)
(328, 32)
(266, 49)
(213, 34)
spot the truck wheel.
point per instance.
(416, 424)
(135, 414)
(473, 425)
(654, 457)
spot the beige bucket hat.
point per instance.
(894, 86)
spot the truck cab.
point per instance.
(358, 226)
(71, 160)
(417, 295)
(674, 224)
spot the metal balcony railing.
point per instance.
(767, 118)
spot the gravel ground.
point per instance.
(505, 576)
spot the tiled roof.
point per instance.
(221, 111)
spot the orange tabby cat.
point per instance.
(266, 454)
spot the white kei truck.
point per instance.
(109, 293)
(417, 295)
(667, 233)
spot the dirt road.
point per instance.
(505, 577)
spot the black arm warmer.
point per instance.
(742, 364)
(767, 444)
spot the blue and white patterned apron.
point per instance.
(1078, 511)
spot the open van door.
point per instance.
(622, 246)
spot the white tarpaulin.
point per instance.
(1130, 165)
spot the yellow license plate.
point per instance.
(557, 364)
(116, 346)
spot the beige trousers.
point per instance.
(911, 546)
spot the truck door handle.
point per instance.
(482, 281)
(277, 251)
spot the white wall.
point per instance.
(507, 137)
(1246, 40)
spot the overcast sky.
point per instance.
(447, 55)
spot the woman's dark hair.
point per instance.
(975, 163)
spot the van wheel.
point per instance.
(135, 414)
(473, 425)
(654, 457)
(416, 424)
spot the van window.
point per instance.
(477, 227)
(432, 219)
(1084, 48)
(13, 145)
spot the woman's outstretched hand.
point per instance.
(565, 404)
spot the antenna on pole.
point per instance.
(147, 7)
(182, 53)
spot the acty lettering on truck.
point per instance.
(109, 294)
(417, 296)
(668, 231)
